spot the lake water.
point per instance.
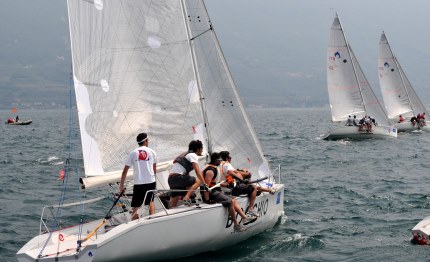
(344, 200)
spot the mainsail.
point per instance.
(349, 91)
(154, 67)
(397, 92)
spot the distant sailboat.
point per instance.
(399, 96)
(153, 66)
(350, 93)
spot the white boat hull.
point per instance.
(351, 132)
(408, 127)
(421, 232)
(184, 232)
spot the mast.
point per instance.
(197, 75)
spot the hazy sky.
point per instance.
(276, 49)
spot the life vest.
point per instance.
(184, 162)
(214, 169)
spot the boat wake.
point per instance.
(51, 160)
(298, 243)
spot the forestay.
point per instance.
(155, 67)
(397, 92)
(349, 91)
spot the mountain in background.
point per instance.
(34, 54)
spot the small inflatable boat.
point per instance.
(12, 121)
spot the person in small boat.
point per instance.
(229, 173)
(349, 121)
(216, 195)
(401, 119)
(16, 119)
(179, 177)
(144, 162)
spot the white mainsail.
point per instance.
(155, 67)
(398, 94)
(133, 73)
(349, 91)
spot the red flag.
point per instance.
(61, 175)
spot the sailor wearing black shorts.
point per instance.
(139, 193)
(144, 162)
(180, 179)
(242, 189)
(216, 195)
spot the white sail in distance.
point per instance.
(397, 92)
(349, 91)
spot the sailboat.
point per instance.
(399, 96)
(350, 93)
(154, 67)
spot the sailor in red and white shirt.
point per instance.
(144, 162)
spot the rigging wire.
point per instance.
(72, 133)
(56, 222)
